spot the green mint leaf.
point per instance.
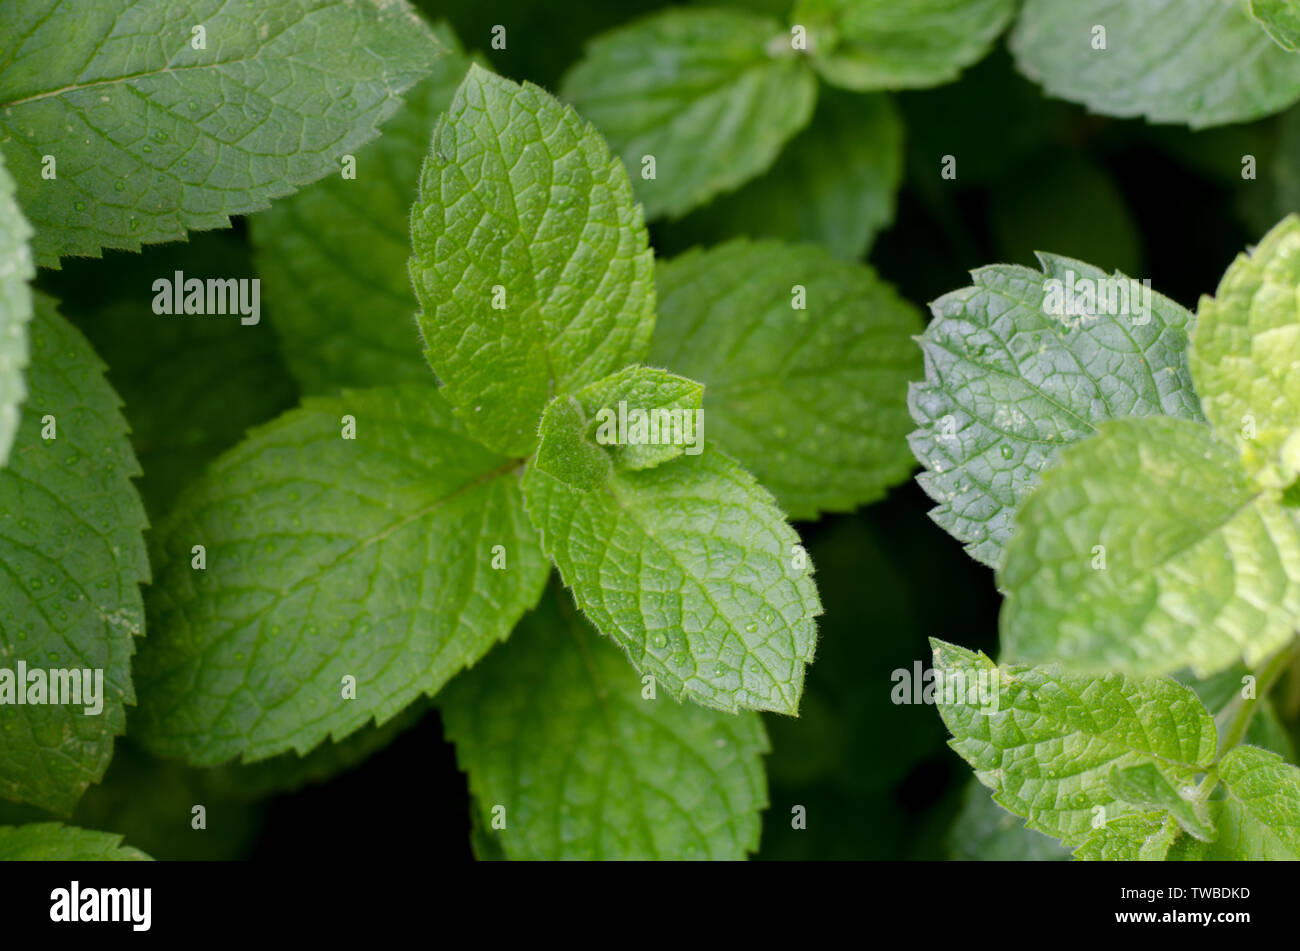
(1147, 550)
(530, 264)
(333, 257)
(1046, 742)
(223, 109)
(635, 419)
(1140, 837)
(805, 360)
(882, 44)
(689, 566)
(1198, 62)
(588, 763)
(835, 184)
(16, 270)
(53, 841)
(695, 102)
(1281, 18)
(1023, 363)
(1244, 352)
(985, 832)
(1260, 816)
(73, 557)
(1146, 786)
(395, 558)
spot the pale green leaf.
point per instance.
(1245, 354)
(1281, 18)
(556, 728)
(333, 257)
(153, 137)
(1198, 62)
(1011, 378)
(637, 418)
(72, 557)
(1146, 786)
(1260, 816)
(52, 841)
(327, 557)
(16, 270)
(1140, 837)
(834, 184)
(1200, 569)
(531, 263)
(810, 400)
(689, 566)
(712, 95)
(884, 44)
(1046, 742)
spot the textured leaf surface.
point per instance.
(1245, 354)
(689, 566)
(1260, 818)
(809, 400)
(1048, 750)
(1199, 62)
(883, 44)
(713, 95)
(328, 557)
(333, 258)
(554, 727)
(520, 194)
(1140, 837)
(1007, 386)
(1201, 570)
(52, 841)
(1146, 786)
(834, 184)
(1281, 18)
(72, 557)
(16, 270)
(153, 137)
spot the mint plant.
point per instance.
(1129, 468)
(371, 548)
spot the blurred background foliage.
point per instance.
(876, 779)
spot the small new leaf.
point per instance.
(530, 258)
(1146, 786)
